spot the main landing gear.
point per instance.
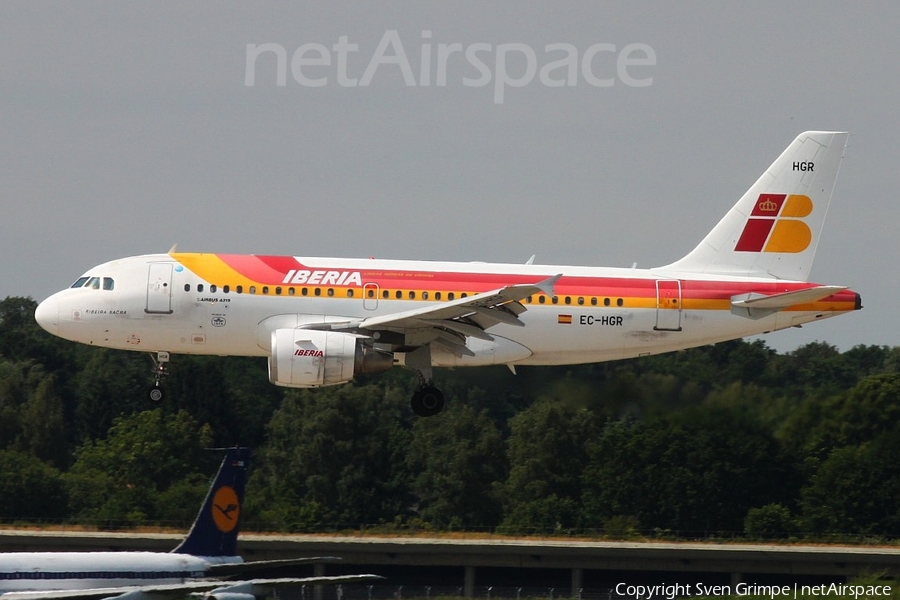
(427, 400)
(156, 392)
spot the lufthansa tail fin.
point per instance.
(215, 530)
(774, 228)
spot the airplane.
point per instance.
(324, 321)
(202, 565)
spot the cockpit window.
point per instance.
(94, 283)
(81, 281)
(108, 283)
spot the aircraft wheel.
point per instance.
(155, 394)
(427, 401)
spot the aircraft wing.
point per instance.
(258, 568)
(468, 316)
(755, 306)
(258, 587)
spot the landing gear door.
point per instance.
(668, 305)
(159, 289)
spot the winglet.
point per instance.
(215, 531)
(548, 284)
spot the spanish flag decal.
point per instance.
(565, 319)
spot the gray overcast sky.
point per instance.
(128, 127)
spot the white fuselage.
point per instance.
(595, 314)
(35, 571)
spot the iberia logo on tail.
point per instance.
(776, 225)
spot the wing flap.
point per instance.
(489, 305)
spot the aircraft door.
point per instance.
(159, 289)
(668, 305)
(370, 296)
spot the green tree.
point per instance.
(855, 490)
(847, 418)
(110, 385)
(121, 478)
(42, 419)
(699, 471)
(547, 451)
(456, 460)
(772, 521)
(334, 457)
(31, 490)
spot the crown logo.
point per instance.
(768, 205)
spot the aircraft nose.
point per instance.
(47, 315)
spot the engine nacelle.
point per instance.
(313, 358)
(229, 596)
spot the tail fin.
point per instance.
(215, 530)
(774, 228)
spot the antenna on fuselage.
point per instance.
(173, 249)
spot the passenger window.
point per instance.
(370, 293)
(304, 291)
(278, 291)
(580, 301)
(199, 287)
(108, 283)
(212, 288)
(291, 291)
(437, 295)
(412, 295)
(385, 294)
(349, 293)
(620, 302)
(265, 290)
(252, 289)
(317, 291)
(240, 289)
(568, 300)
(555, 300)
(542, 299)
(451, 296)
(331, 291)
(424, 295)
(226, 289)
(398, 294)
(187, 287)
(593, 301)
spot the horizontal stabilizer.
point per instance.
(756, 306)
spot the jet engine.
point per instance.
(229, 596)
(314, 358)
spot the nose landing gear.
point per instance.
(156, 392)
